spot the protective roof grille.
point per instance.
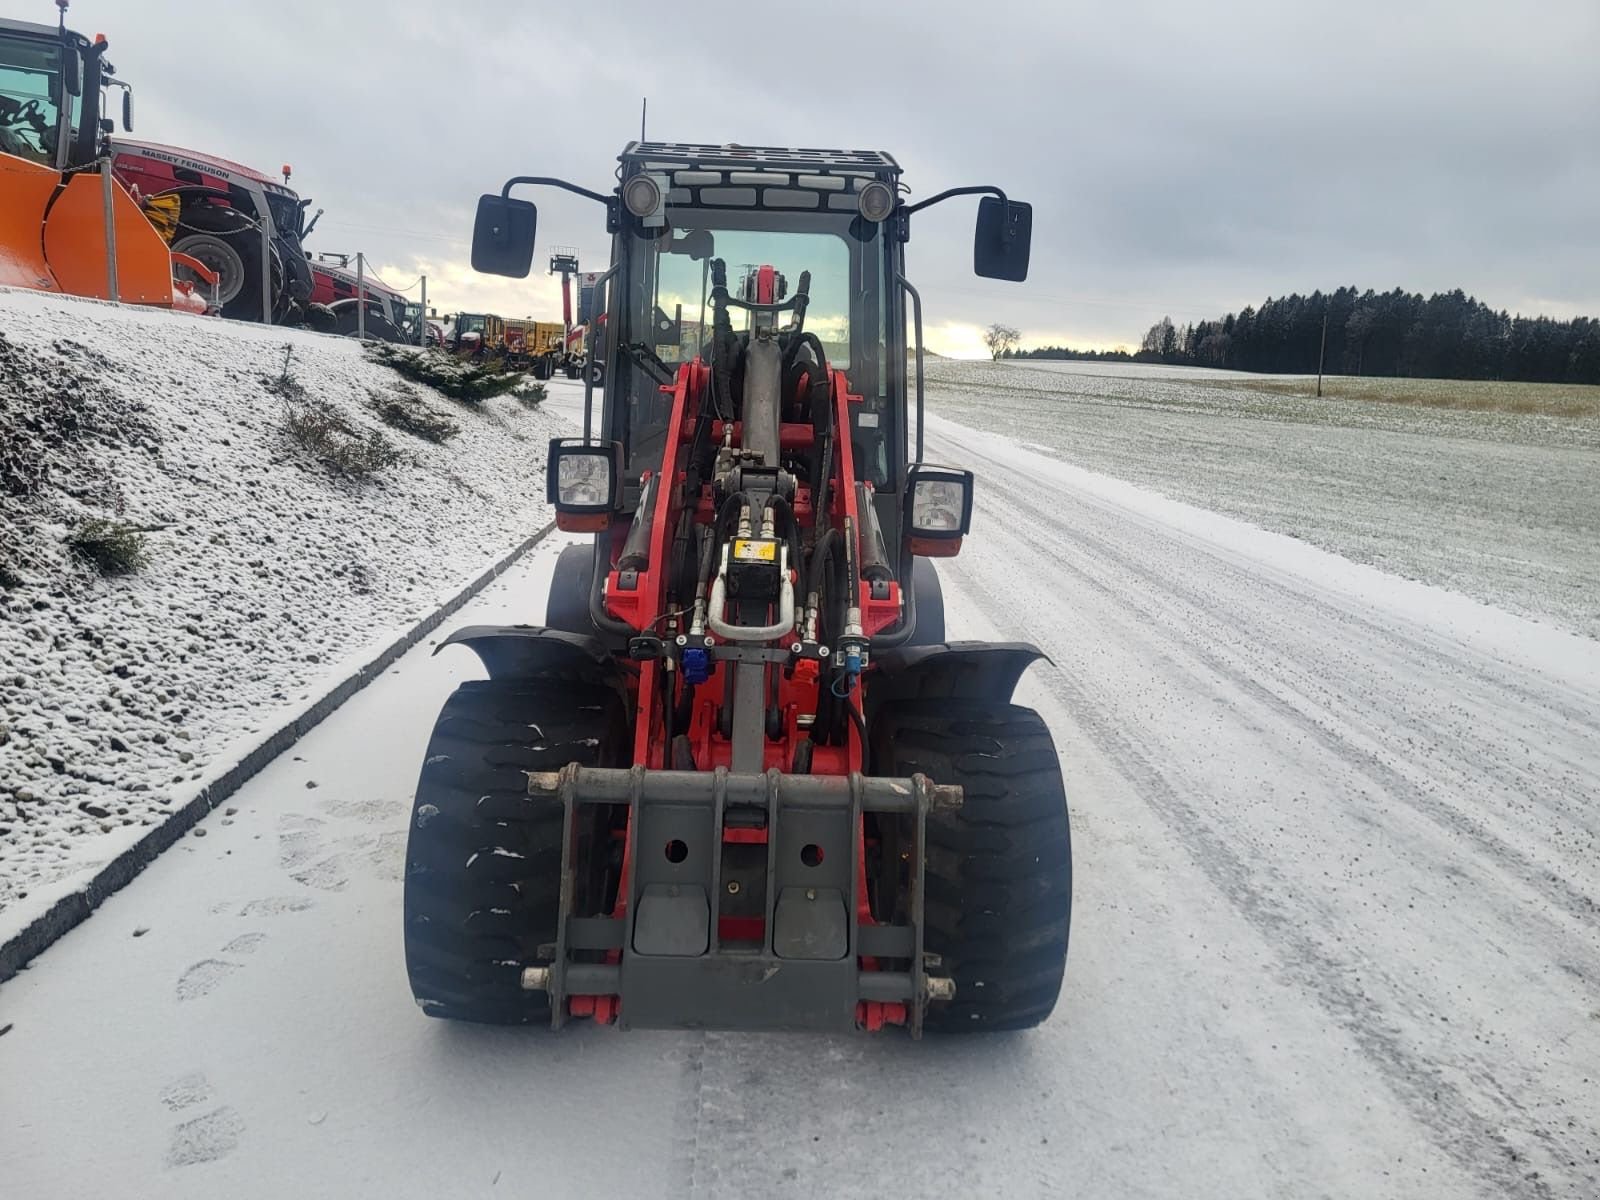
(685, 155)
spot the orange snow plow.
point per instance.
(65, 226)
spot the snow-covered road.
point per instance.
(1335, 929)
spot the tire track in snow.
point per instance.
(1579, 904)
(1467, 1112)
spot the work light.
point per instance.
(876, 201)
(938, 509)
(584, 482)
(645, 197)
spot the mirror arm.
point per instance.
(981, 189)
(505, 192)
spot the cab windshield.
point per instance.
(667, 313)
(31, 95)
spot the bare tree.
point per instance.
(1000, 339)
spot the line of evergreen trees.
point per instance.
(1448, 335)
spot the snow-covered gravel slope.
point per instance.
(266, 571)
(1334, 933)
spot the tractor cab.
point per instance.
(51, 94)
(813, 242)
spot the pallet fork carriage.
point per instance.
(739, 780)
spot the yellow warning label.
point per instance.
(747, 551)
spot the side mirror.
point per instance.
(69, 61)
(583, 480)
(502, 236)
(938, 509)
(127, 110)
(1000, 247)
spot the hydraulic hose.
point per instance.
(780, 506)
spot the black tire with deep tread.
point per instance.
(999, 873)
(482, 864)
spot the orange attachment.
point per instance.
(27, 188)
(75, 245)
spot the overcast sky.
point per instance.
(1182, 159)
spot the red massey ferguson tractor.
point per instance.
(226, 209)
(739, 779)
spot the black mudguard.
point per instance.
(535, 652)
(930, 606)
(568, 605)
(969, 670)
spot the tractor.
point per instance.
(223, 211)
(66, 225)
(739, 779)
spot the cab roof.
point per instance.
(692, 155)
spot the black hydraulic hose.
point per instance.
(852, 571)
(721, 339)
(708, 559)
(728, 514)
(825, 554)
(820, 480)
(785, 515)
(684, 710)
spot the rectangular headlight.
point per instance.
(584, 478)
(939, 501)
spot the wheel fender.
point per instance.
(534, 652)
(568, 604)
(969, 670)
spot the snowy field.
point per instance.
(1334, 930)
(1504, 506)
(267, 574)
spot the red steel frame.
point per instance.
(643, 606)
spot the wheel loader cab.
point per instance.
(733, 754)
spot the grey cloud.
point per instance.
(1181, 158)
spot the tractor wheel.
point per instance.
(379, 327)
(999, 873)
(574, 369)
(229, 243)
(483, 864)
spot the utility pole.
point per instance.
(361, 300)
(1322, 352)
(422, 321)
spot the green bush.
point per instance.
(469, 382)
(407, 412)
(335, 443)
(113, 547)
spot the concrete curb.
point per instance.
(76, 906)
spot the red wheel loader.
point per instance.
(739, 779)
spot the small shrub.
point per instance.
(113, 547)
(531, 394)
(333, 442)
(469, 382)
(409, 413)
(284, 384)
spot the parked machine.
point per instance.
(739, 779)
(65, 227)
(224, 212)
(337, 296)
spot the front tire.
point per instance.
(999, 872)
(483, 863)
